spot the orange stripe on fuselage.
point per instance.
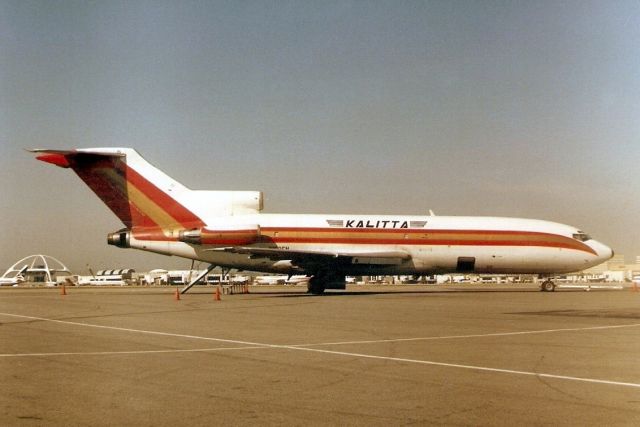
(372, 236)
(406, 237)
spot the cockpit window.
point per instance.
(582, 236)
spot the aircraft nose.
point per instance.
(603, 251)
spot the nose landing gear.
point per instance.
(548, 286)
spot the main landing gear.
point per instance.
(548, 286)
(316, 285)
(323, 280)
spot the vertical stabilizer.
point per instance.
(144, 197)
(138, 193)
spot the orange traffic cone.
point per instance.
(634, 288)
(216, 295)
(177, 295)
(63, 290)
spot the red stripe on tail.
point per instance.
(108, 177)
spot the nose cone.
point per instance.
(603, 252)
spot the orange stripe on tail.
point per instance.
(133, 198)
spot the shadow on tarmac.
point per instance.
(349, 293)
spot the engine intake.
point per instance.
(121, 238)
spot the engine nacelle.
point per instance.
(121, 238)
(221, 236)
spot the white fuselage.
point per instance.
(435, 244)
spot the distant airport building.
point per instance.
(120, 277)
(36, 269)
(155, 277)
(44, 269)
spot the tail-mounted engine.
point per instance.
(236, 236)
(121, 238)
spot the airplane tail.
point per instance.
(144, 197)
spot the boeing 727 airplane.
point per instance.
(227, 229)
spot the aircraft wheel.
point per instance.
(548, 286)
(316, 286)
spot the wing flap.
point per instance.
(309, 256)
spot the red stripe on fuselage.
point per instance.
(363, 236)
(423, 237)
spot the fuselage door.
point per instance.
(466, 264)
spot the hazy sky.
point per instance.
(528, 109)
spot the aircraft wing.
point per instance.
(309, 258)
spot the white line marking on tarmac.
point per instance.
(471, 367)
(495, 334)
(349, 354)
(131, 352)
(142, 331)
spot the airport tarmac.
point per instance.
(375, 355)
